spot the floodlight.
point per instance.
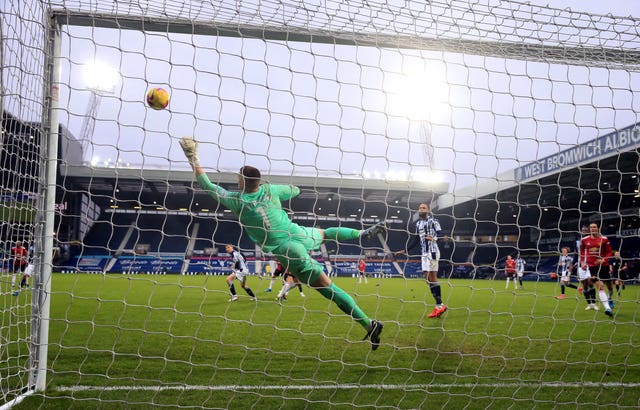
(100, 77)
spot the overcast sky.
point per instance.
(615, 7)
(340, 110)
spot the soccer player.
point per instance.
(584, 275)
(279, 270)
(426, 236)
(362, 271)
(20, 255)
(565, 266)
(520, 264)
(239, 271)
(595, 251)
(619, 271)
(259, 210)
(24, 282)
(510, 271)
(289, 282)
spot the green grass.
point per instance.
(492, 348)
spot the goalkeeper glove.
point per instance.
(190, 149)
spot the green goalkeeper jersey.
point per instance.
(261, 214)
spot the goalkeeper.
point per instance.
(259, 209)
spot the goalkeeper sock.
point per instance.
(346, 303)
(232, 289)
(562, 289)
(341, 234)
(249, 292)
(571, 285)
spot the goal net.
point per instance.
(518, 125)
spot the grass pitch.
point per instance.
(120, 341)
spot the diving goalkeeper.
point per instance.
(259, 209)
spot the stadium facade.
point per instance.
(128, 220)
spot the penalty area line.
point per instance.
(435, 386)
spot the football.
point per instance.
(158, 98)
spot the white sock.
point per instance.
(604, 299)
(13, 279)
(507, 285)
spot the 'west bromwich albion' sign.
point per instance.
(600, 147)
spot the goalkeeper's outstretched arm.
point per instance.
(190, 149)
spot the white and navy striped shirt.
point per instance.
(427, 227)
(520, 265)
(565, 263)
(239, 262)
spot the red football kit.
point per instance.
(595, 249)
(510, 266)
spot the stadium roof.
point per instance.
(178, 190)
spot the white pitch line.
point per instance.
(82, 388)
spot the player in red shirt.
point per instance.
(362, 267)
(20, 255)
(510, 271)
(595, 251)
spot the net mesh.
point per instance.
(516, 122)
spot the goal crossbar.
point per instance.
(583, 55)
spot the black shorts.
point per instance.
(623, 275)
(600, 272)
(19, 267)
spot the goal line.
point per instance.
(347, 386)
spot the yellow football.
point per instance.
(158, 98)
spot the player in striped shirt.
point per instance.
(520, 264)
(565, 267)
(426, 236)
(240, 271)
